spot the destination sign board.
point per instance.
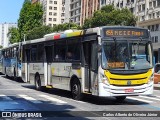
(125, 32)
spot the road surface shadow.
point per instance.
(90, 98)
(19, 80)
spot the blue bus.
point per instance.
(10, 61)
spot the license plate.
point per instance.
(129, 90)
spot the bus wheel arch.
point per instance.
(37, 81)
(75, 88)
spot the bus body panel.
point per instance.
(61, 75)
(36, 68)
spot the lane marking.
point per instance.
(30, 98)
(150, 98)
(76, 101)
(53, 99)
(157, 96)
(148, 101)
(5, 97)
(14, 89)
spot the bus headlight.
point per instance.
(104, 79)
(151, 78)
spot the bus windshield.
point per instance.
(126, 55)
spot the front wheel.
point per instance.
(121, 98)
(76, 90)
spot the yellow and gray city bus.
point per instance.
(103, 61)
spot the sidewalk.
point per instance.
(157, 86)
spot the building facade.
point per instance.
(4, 29)
(75, 11)
(54, 11)
(88, 8)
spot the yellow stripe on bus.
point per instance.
(123, 79)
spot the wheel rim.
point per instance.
(75, 90)
(37, 82)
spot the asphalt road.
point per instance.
(21, 99)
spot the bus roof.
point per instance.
(34, 41)
(12, 45)
(74, 33)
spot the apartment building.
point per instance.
(4, 29)
(88, 8)
(75, 11)
(54, 11)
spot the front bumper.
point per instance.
(110, 90)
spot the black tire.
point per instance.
(120, 98)
(38, 83)
(76, 90)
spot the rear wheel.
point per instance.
(38, 83)
(121, 98)
(76, 90)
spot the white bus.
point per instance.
(102, 61)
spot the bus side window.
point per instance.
(94, 56)
(60, 50)
(34, 53)
(73, 51)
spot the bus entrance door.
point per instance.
(47, 64)
(90, 65)
(86, 64)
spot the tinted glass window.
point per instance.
(34, 53)
(73, 51)
(40, 52)
(60, 50)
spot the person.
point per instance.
(69, 55)
(125, 55)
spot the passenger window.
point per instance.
(34, 53)
(60, 50)
(40, 52)
(73, 51)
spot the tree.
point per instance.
(30, 17)
(109, 15)
(38, 32)
(13, 35)
(65, 26)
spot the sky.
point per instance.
(9, 10)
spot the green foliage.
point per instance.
(109, 15)
(65, 26)
(38, 32)
(13, 35)
(30, 17)
(1, 46)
